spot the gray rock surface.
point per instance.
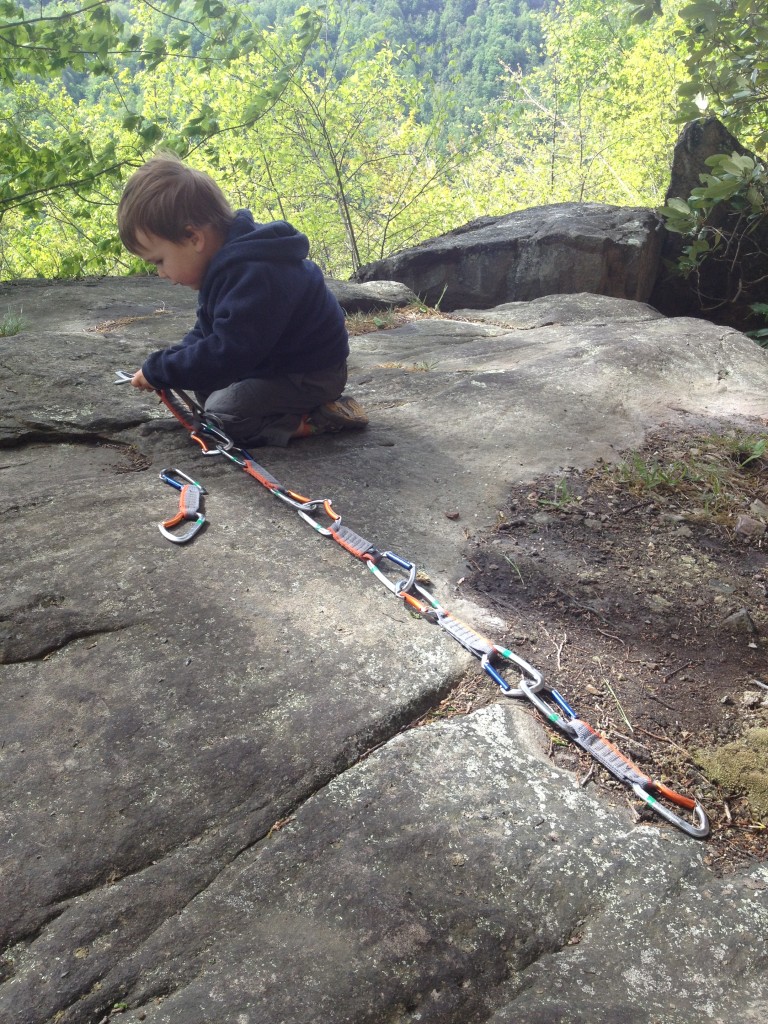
(546, 250)
(210, 812)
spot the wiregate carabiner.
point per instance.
(532, 677)
(223, 443)
(190, 496)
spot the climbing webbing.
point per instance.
(494, 659)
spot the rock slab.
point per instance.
(210, 809)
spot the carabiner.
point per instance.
(534, 681)
(206, 434)
(398, 587)
(181, 538)
(169, 476)
(700, 827)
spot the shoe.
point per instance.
(305, 429)
(343, 414)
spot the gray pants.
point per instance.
(261, 411)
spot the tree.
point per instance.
(595, 120)
(40, 45)
(726, 63)
(348, 153)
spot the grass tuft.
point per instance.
(11, 323)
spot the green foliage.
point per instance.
(727, 72)
(42, 48)
(347, 151)
(760, 334)
(594, 120)
(727, 65)
(713, 479)
(741, 182)
(344, 153)
(462, 45)
(726, 76)
(332, 122)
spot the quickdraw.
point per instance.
(611, 758)
(190, 496)
(494, 659)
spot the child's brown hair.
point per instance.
(165, 197)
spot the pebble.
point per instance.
(748, 527)
(740, 622)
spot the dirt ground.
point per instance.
(640, 590)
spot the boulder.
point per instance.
(371, 297)
(697, 141)
(563, 248)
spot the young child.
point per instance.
(267, 357)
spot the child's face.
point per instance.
(183, 262)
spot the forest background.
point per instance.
(369, 126)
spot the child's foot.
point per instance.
(343, 414)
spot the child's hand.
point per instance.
(140, 381)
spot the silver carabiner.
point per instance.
(168, 476)
(398, 587)
(533, 682)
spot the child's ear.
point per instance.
(195, 236)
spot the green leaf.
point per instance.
(675, 205)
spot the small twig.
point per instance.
(727, 810)
(757, 682)
(560, 650)
(631, 508)
(664, 739)
(610, 635)
(686, 665)
(654, 696)
(630, 739)
(558, 647)
(588, 777)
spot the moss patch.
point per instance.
(742, 767)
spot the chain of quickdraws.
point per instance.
(493, 658)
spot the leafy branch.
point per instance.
(88, 38)
(723, 218)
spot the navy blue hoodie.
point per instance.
(264, 310)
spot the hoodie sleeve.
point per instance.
(251, 311)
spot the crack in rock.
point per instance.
(29, 634)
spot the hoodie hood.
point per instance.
(248, 242)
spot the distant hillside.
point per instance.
(464, 42)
